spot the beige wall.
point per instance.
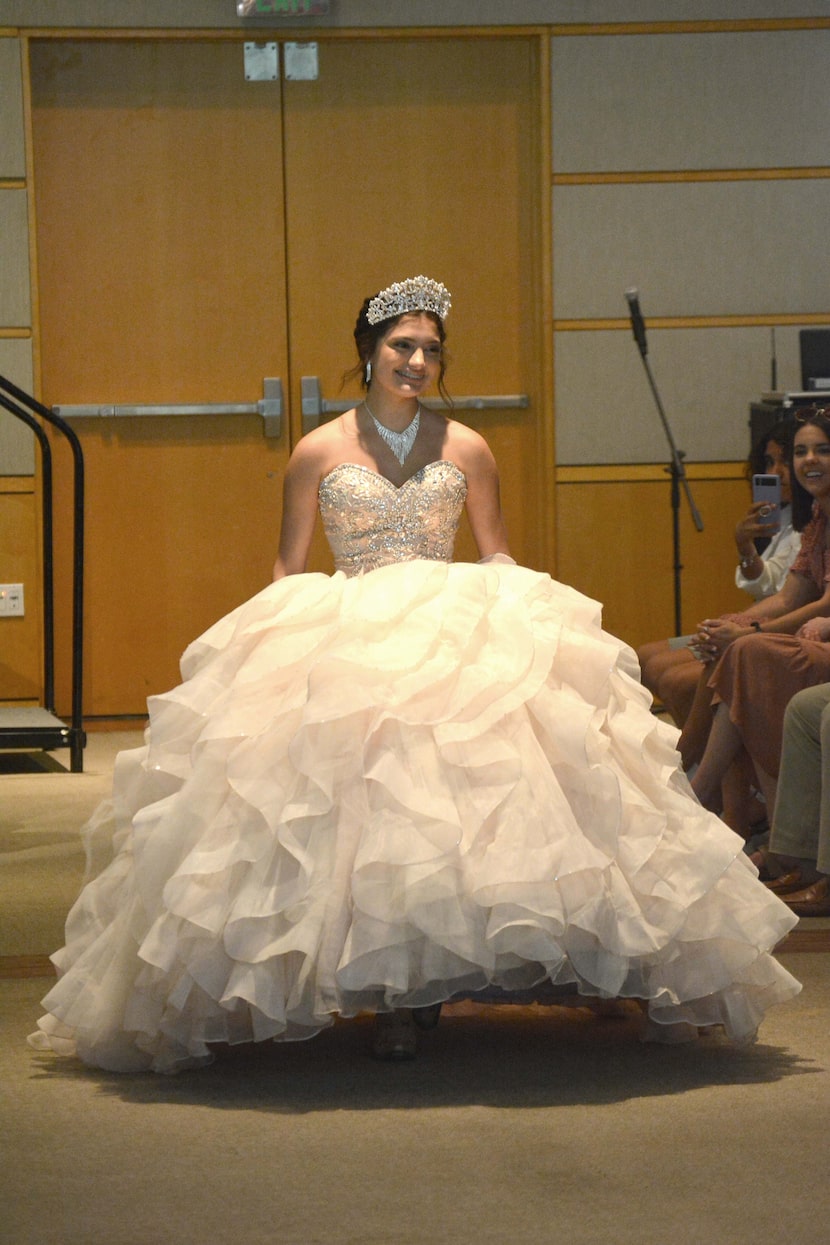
(693, 166)
(692, 163)
(370, 14)
(690, 159)
(20, 562)
(12, 146)
(16, 452)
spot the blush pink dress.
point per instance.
(759, 674)
(382, 788)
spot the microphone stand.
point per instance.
(676, 468)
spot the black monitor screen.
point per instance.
(815, 358)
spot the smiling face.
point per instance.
(407, 359)
(811, 461)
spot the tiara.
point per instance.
(414, 294)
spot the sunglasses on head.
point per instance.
(807, 413)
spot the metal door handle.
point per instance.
(314, 405)
(269, 407)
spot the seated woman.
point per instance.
(797, 863)
(779, 646)
(671, 674)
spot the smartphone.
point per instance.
(767, 489)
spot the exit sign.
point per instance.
(282, 8)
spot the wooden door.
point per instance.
(186, 218)
(161, 241)
(421, 156)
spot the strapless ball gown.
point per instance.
(386, 787)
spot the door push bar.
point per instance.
(269, 407)
(315, 406)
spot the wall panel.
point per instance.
(12, 147)
(615, 542)
(693, 248)
(20, 638)
(17, 443)
(15, 301)
(385, 13)
(706, 377)
(693, 101)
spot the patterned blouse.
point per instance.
(813, 561)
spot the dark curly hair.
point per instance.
(781, 434)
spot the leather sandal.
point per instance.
(813, 900)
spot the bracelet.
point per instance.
(746, 563)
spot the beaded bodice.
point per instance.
(369, 522)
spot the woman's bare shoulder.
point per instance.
(319, 450)
(467, 446)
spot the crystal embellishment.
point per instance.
(400, 443)
(413, 294)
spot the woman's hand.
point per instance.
(755, 524)
(714, 635)
(816, 629)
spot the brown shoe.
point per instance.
(813, 900)
(792, 880)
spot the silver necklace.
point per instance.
(400, 443)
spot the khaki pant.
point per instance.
(801, 822)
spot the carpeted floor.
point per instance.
(515, 1124)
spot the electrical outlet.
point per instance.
(11, 601)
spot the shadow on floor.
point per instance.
(501, 1058)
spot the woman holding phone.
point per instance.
(779, 646)
(765, 538)
(671, 670)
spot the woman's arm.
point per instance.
(796, 592)
(790, 623)
(299, 509)
(783, 613)
(763, 576)
(483, 499)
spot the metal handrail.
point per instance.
(46, 544)
(76, 733)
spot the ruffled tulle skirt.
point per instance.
(389, 790)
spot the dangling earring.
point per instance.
(367, 374)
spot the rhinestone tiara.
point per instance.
(414, 294)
